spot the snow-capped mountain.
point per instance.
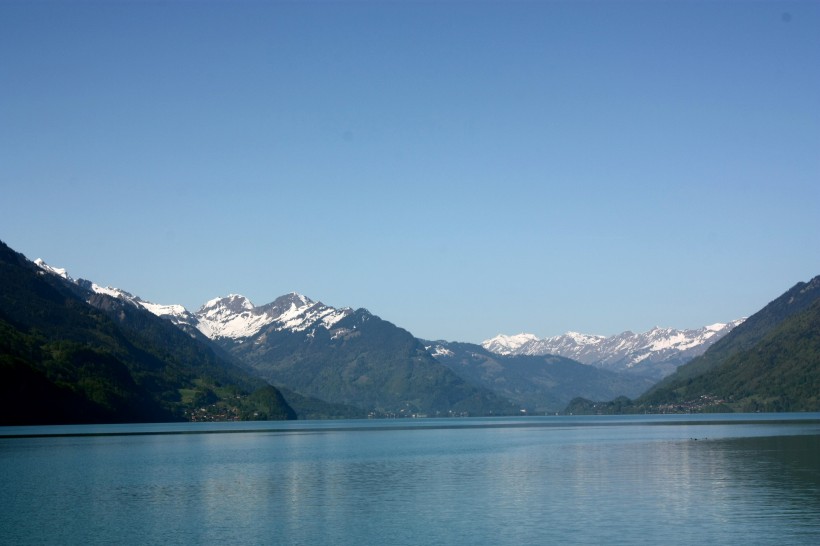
(508, 345)
(353, 360)
(657, 352)
(177, 314)
(540, 383)
(233, 316)
(60, 272)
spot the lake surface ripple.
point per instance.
(721, 479)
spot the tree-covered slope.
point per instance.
(781, 372)
(771, 362)
(746, 335)
(64, 360)
(366, 362)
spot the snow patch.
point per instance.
(235, 317)
(504, 344)
(60, 272)
(618, 352)
(164, 310)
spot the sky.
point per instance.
(460, 169)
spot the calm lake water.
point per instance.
(727, 479)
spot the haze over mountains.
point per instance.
(345, 362)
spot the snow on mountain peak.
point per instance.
(160, 310)
(505, 345)
(302, 312)
(108, 291)
(229, 316)
(582, 339)
(115, 293)
(232, 316)
(659, 346)
(716, 327)
(60, 272)
(236, 317)
(175, 313)
(235, 303)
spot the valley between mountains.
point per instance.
(316, 360)
(352, 357)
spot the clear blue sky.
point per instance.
(460, 169)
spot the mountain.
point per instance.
(771, 362)
(176, 314)
(509, 345)
(234, 317)
(216, 316)
(73, 354)
(342, 356)
(542, 383)
(101, 353)
(765, 364)
(330, 362)
(655, 353)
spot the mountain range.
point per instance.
(354, 358)
(537, 383)
(655, 354)
(343, 356)
(348, 358)
(298, 357)
(771, 362)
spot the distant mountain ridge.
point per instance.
(349, 356)
(655, 353)
(346, 358)
(538, 383)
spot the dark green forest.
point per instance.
(63, 360)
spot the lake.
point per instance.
(679, 479)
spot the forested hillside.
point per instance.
(771, 362)
(63, 360)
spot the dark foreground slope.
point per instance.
(65, 360)
(781, 372)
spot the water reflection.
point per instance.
(614, 484)
(777, 477)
